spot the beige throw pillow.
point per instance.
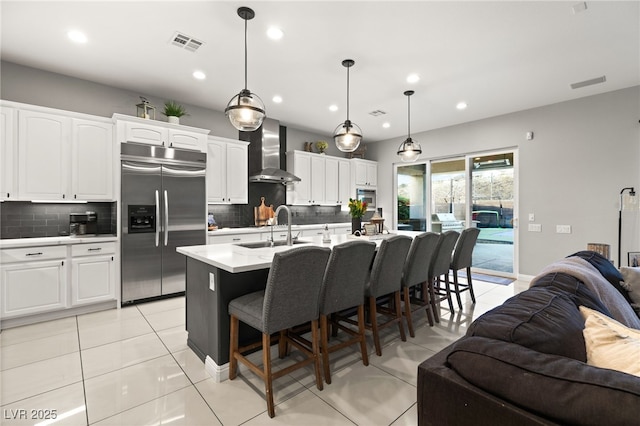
(610, 344)
(631, 282)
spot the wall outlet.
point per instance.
(535, 227)
(212, 281)
(563, 229)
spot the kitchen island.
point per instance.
(217, 274)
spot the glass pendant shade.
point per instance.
(245, 111)
(347, 136)
(409, 150)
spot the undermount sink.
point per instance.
(267, 244)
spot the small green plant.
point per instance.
(174, 109)
(321, 145)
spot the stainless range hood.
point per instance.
(270, 153)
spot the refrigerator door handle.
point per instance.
(166, 218)
(157, 216)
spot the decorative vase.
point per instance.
(356, 224)
(173, 119)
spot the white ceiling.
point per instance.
(499, 56)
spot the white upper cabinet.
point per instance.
(91, 160)
(365, 172)
(227, 171)
(152, 132)
(8, 154)
(43, 156)
(325, 180)
(299, 163)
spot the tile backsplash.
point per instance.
(20, 219)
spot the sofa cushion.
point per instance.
(559, 388)
(606, 268)
(577, 291)
(610, 344)
(544, 319)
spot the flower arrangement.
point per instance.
(322, 146)
(357, 208)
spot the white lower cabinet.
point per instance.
(234, 238)
(34, 280)
(93, 273)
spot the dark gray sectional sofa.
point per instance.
(524, 362)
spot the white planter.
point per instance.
(173, 120)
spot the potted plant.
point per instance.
(322, 146)
(174, 111)
(357, 208)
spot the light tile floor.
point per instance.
(131, 366)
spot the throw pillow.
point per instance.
(610, 344)
(544, 319)
(605, 267)
(631, 282)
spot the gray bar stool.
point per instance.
(462, 259)
(439, 268)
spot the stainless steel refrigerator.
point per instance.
(163, 206)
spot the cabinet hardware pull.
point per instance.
(235, 239)
(95, 249)
(34, 254)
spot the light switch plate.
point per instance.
(532, 217)
(563, 229)
(535, 227)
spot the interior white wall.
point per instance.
(583, 153)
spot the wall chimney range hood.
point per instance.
(265, 145)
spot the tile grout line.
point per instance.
(84, 388)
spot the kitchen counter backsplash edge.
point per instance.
(255, 229)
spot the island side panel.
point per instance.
(207, 319)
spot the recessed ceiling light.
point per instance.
(461, 105)
(333, 108)
(277, 99)
(413, 78)
(77, 36)
(386, 125)
(274, 33)
(199, 75)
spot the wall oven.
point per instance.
(368, 195)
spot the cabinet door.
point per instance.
(237, 173)
(186, 140)
(332, 182)
(299, 193)
(344, 183)
(92, 160)
(43, 154)
(317, 179)
(234, 238)
(216, 172)
(33, 287)
(360, 174)
(92, 279)
(8, 151)
(145, 133)
(372, 174)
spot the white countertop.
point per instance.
(55, 241)
(234, 258)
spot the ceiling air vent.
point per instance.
(585, 83)
(377, 113)
(186, 42)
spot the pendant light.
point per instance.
(409, 150)
(347, 135)
(245, 110)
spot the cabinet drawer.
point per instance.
(93, 249)
(231, 239)
(29, 254)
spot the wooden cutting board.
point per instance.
(263, 213)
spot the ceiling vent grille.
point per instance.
(186, 42)
(585, 83)
(377, 113)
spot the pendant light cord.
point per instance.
(409, 117)
(245, 53)
(348, 92)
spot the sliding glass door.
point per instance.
(456, 193)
